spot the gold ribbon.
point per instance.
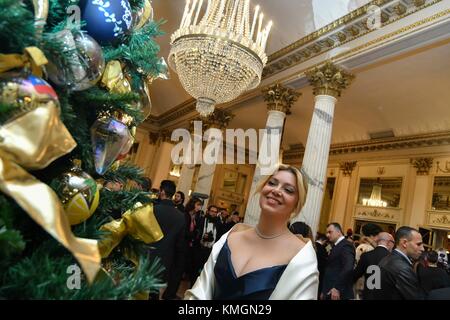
(34, 140)
(139, 223)
(114, 79)
(40, 15)
(32, 58)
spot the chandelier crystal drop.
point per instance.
(219, 51)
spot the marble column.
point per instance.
(186, 176)
(188, 168)
(219, 120)
(279, 100)
(328, 82)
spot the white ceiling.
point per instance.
(293, 20)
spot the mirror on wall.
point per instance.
(441, 193)
(380, 192)
(230, 181)
(234, 181)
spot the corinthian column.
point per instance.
(219, 120)
(328, 82)
(279, 100)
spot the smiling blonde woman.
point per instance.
(266, 261)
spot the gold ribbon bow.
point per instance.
(34, 140)
(140, 223)
(114, 79)
(32, 58)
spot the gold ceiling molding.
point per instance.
(179, 111)
(357, 50)
(406, 142)
(326, 29)
(311, 49)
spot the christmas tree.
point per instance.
(73, 88)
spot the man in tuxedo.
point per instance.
(398, 280)
(322, 256)
(338, 278)
(385, 244)
(171, 248)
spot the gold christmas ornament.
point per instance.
(79, 194)
(113, 78)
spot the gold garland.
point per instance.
(32, 59)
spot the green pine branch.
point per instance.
(139, 50)
(126, 171)
(16, 26)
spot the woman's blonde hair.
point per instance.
(300, 184)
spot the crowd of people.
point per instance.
(220, 258)
(381, 265)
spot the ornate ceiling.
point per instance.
(402, 70)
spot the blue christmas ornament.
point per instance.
(106, 20)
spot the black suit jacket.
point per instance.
(371, 258)
(172, 224)
(398, 280)
(339, 270)
(433, 278)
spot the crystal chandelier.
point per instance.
(375, 197)
(218, 52)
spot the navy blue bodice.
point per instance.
(255, 285)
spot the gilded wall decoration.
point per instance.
(423, 165)
(369, 213)
(347, 167)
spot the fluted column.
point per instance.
(185, 180)
(219, 120)
(188, 168)
(162, 158)
(279, 100)
(328, 82)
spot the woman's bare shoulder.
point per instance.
(297, 242)
(240, 227)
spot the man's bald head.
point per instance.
(386, 239)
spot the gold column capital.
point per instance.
(423, 165)
(220, 119)
(347, 167)
(329, 79)
(280, 98)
